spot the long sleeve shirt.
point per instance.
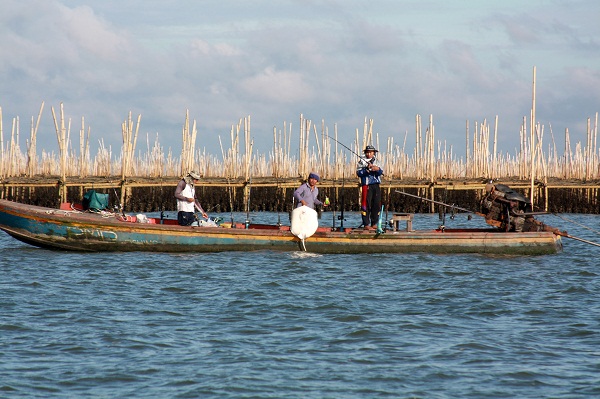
(308, 195)
(368, 177)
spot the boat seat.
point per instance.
(399, 217)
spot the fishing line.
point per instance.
(576, 223)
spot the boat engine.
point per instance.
(508, 209)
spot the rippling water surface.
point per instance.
(300, 325)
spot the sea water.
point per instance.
(299, 325)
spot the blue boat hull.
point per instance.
(83, 231)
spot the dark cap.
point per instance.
(315, 176)
(370, 148)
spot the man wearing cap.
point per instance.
(370, 178)
(186, 199)
(307, 193)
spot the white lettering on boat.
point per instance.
(75, 232)
(145, 242)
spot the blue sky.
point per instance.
(337, 61)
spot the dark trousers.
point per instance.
(371, 204)
(185, 218)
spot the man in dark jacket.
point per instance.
(370, 178)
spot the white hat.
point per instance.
(194, 175)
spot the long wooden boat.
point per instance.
(71, 229)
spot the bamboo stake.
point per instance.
(494, 162)
(2, 160)
(532, 141)
(31, 154)
(82, 165)
(429, 160)
(61, 135)
(467, 151)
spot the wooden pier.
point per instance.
(270, 194)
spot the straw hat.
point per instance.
(194, 175)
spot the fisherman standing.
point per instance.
(186, 199)
(370, 178)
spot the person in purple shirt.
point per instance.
(308, 192)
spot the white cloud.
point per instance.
(333, 60)
(277, 86)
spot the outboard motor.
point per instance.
(503, 204)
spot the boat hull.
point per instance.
(83, 231)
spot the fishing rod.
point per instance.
(498, 224)
(363, 162)
(278, 197)
(567, 235)
(247, 223)
(342, 202)
(162, 204)
(465, 209)
(491, 222)
(229, 189)
(341, 216)
(440, 203)
(121, 207)
(345, 146)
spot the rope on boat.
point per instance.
(62, 212)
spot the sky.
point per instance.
(337, 61)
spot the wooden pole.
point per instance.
(2, 160)
(532, 141)
(494, 162)
(467, 151)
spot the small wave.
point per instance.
(13, 327)
(304, 255)
(359, 333)
(173, 289)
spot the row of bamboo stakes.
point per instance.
(318, 150)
